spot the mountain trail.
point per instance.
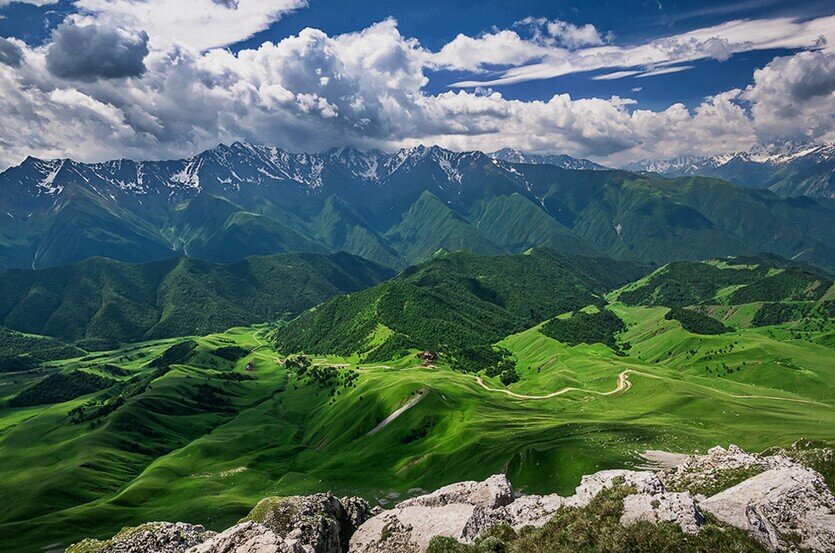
(622, 385)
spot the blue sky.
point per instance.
(610, 80)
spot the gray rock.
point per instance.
(493, 492)
(247, 537)
(153, 537)
(533, 510)
(678, 508)
(461, 511)
(791, 501)
(644, 482)
(317, 523)
(706, 471)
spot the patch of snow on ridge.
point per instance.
(189, 176)
(48, 182)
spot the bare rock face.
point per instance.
(153, 537)
(317, 523)
(644, 482)
(678, 508)
(492, 493)
(707, 471)
(460, 511)
(247, 537)
(465, 510)
(779, 506)
(533, 510)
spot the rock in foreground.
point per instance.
(760, 503)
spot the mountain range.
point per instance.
(392, 208)
(787, 168)
(513, 155)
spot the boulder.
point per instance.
(492, 493)
(678, 508)
(247, 537)
(712, 469)
(318, 523)
(533, 510)
(644, 482)
(153, 537)
(460, 511)
(780, 506)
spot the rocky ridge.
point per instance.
(778, 502)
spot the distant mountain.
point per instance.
(102, 302)
(788, 169)
(393, 208)
(560, 160)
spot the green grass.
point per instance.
(280, 434)
(188, 433)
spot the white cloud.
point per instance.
(368, 89)
(665, 71)
(4, 3)
(718, 42)
(795, 96)
(563, 33)
(198, 24)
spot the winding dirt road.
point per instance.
(623, 385)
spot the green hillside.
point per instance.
(187, 432)
(424, 200)
(101, 302)
(456, 304)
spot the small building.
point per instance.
(250, 366)
(428, 357)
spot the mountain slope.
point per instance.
(395, 209)
(101, 300)
(456, 304)
(789, 169)
(559, 160)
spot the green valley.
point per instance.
(200, 429)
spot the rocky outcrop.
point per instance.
(465, 510)
(159, 537)
(678, 508)
(779, 507)
(318, 523)
(247, 537)
(644, 482)
(460, 511)
(782, 504)
(719, 468)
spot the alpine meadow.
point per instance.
(304, 276)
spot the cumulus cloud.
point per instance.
(313, 91)
(33, 2)
(795, 95)
(92, 52)
(10, 53)
(557, 32)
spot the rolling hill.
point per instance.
(102, 302)
(457, 304)
(200, 429)
(397, 209)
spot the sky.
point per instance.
(613, 81)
